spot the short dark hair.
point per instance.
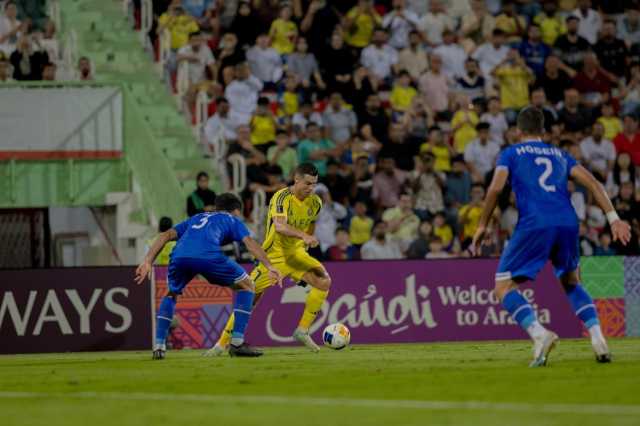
(201, 175)
(263, 101)
(306, 169)
(531, 121)
(228, 202)
(483, 125)
(572, 18)
(194, 34)
(497, 32)
(221, 99)
(165, 224)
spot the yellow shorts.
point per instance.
(293, 266)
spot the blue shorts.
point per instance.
(219, 270)
(528, 250)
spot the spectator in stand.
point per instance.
(463, 124)
(283, 31)
(436, 249)
(598, 154)
(419, 247)
(513, 76)
(388, 183)
(316, 149)
(255, 159)
(551, 22)
(179, 24)
(491, 54)
(220, 124)
(413, 58)
(11, 29)
(327, 220)
(442, 229)
(418, 119)
(303, 117)
(199, 57)
(458, 184)
(480, 155)
(604, 249)
(402, 93)
(434, 87)
(555, 79)
(379, 246)
(374, 116)
(343, 249)
(263, 126)
(434, 23)
(379, 58)
(472, 83)
(476, 26)
(402, 147)
(337, 65)
(85, 72)
(340, 122)
(304, 65)
(590, 21)
(571, 47)
(625, 203)
(427, 187)
(229, 55)
(630, 92)
(283, 155)
(265, 62)
(362, 182)
(359, 24)
(573, 116)
(202, 199)
(612, 52)
(533, 50)
(5, 73)
(361, 225)
(34, 11)
(539, 100)
(27, 63)
(319, 22)
(496, 119)
(49, 71)
(612, 123)
(399, 22)
(512, 24)
(629, 25)
(242, 94)
(452, 54)
(440, 149)
(629, 139)
(245, 25)
(469, 214)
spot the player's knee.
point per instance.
(502, 288)
(324, 283)
(173, 295)
(246, 284)
(569, 280)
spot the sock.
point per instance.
(584, 308)
(163, 321)
(312, 306)
(522, 312)
(225, 336)
(242, 312)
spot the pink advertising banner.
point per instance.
(389, 302)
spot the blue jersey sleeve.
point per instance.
(571, 162)
(240, 230)
(505, 159)
(182, 227)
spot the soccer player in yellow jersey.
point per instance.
(290, 226)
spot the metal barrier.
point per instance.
(146, 20)
(238, 173)
(70, 50)
(164, 41)
(259, 211)
(182, 83)
(202, 114)
(54, 13)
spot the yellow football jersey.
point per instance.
(300, 214)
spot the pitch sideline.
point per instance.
(593, 409)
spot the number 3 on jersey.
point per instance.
(548, 169)
(202, 223)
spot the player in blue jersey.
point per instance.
(198, 251)
(547, 229)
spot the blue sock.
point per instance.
(582, 305)
(242, 312)
(520, 310)
(163, 319)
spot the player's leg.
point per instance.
(565, 259)
(178, 276)
(525, 255)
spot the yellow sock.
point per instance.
(225, 336)
(312, 306)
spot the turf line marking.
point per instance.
(602, 409)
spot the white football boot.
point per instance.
(304, 338)
(542, 346)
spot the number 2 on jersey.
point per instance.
(548, 169)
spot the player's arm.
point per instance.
(258, 252)
(498, 182)
(620, 230)
(144, 268)
(283, 228)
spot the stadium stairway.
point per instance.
(104, 35)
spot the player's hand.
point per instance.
(311, 241)
(621, 231)
(275, 276)
(143, 271)
(477, 241)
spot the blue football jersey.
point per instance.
(202, 235)
(539, 174)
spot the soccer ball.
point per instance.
(336, 336)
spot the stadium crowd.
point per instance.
(404, 106)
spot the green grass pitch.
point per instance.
(426, 384)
